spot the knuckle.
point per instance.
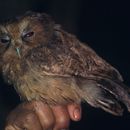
(48, 124)
(30, 119)
(36, 105)
(9, 127)
(63, 122)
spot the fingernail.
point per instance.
(76, 113)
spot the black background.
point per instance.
(105, 25)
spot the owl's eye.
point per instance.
(28, 35)
(5, 39)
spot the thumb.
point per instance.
(74, 111)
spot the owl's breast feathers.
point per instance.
(65, 70)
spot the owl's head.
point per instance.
(23, 33)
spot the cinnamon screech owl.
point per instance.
(44, 62)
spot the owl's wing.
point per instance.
(65, 56)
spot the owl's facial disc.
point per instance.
(24, 34)
(16, 37)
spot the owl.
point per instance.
(44, 62)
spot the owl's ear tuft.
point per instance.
(42, 17)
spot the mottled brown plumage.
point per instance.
(44, 62)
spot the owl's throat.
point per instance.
(12, 71)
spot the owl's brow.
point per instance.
(3, 29)
(23, 25)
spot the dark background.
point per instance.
(105, 25)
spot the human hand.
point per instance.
(39, 116)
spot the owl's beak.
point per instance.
(18, 52)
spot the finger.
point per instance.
(61, 116)
(45, 115)
(74, 111)
(10, 127)
(25, 120)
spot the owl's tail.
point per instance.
(106, 94)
